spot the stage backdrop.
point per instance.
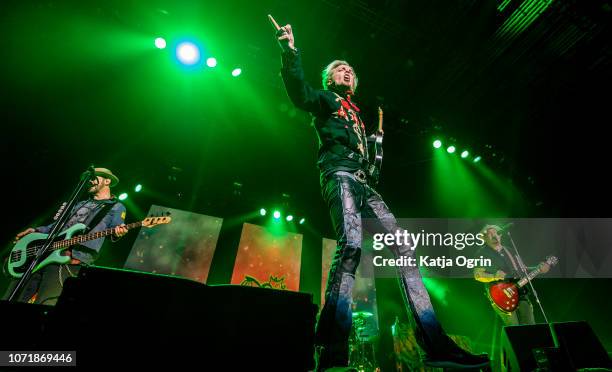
(184, 248)
(268, 258)
(364, 290)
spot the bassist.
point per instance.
(102, 210)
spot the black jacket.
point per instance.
(341, 132)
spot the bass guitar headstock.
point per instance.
(157, 220)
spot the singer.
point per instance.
(345, 188)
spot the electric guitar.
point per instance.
(505, 295)
(27, 247)
(377, 155)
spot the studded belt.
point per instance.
(361, 176)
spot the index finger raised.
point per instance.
(276, 26)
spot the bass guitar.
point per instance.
(28, 247)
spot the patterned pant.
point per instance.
(349, 201)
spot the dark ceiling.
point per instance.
(536, 97)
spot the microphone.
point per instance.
(90, 174)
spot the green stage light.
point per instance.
(276, 215)
(123, 196)
(465, 154)
(263, 211)
(160, 43)
(211, 62)
(289, 218)
(477, 159)
(188, 53)
(437, 144)
(451, 149)
(236, 72)
(302, 221)
(138, 188)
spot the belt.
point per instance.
(345, 152)
(361, 176)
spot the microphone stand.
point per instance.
(553, 334)
(88, 175)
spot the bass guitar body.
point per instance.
(26, 248)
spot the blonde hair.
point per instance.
(328, 71)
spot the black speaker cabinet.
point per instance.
(120, 317)
(22, 325)
(528, 347)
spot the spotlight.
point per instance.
(262, 211)
(211, 62)
(188, 53)
(160, 43)
(236, 72)
(276, 215)
(123, 196)
(437, 144)
(138, 188)
(465, 154)
(289, 218)
(451, 149)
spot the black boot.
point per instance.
(458, 358)
(441, 350)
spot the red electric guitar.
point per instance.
(505, 295)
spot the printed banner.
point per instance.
(268, 259)
(184, 247)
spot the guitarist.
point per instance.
(347, 190)
(103, 211)
(505, 266)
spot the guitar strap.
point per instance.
(99, 215)
(512, 260)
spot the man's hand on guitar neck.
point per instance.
(120, 231)
(29, 230)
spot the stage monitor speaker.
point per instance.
(581, 345)
(109, 315)
(529, 347)
(22, 325)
